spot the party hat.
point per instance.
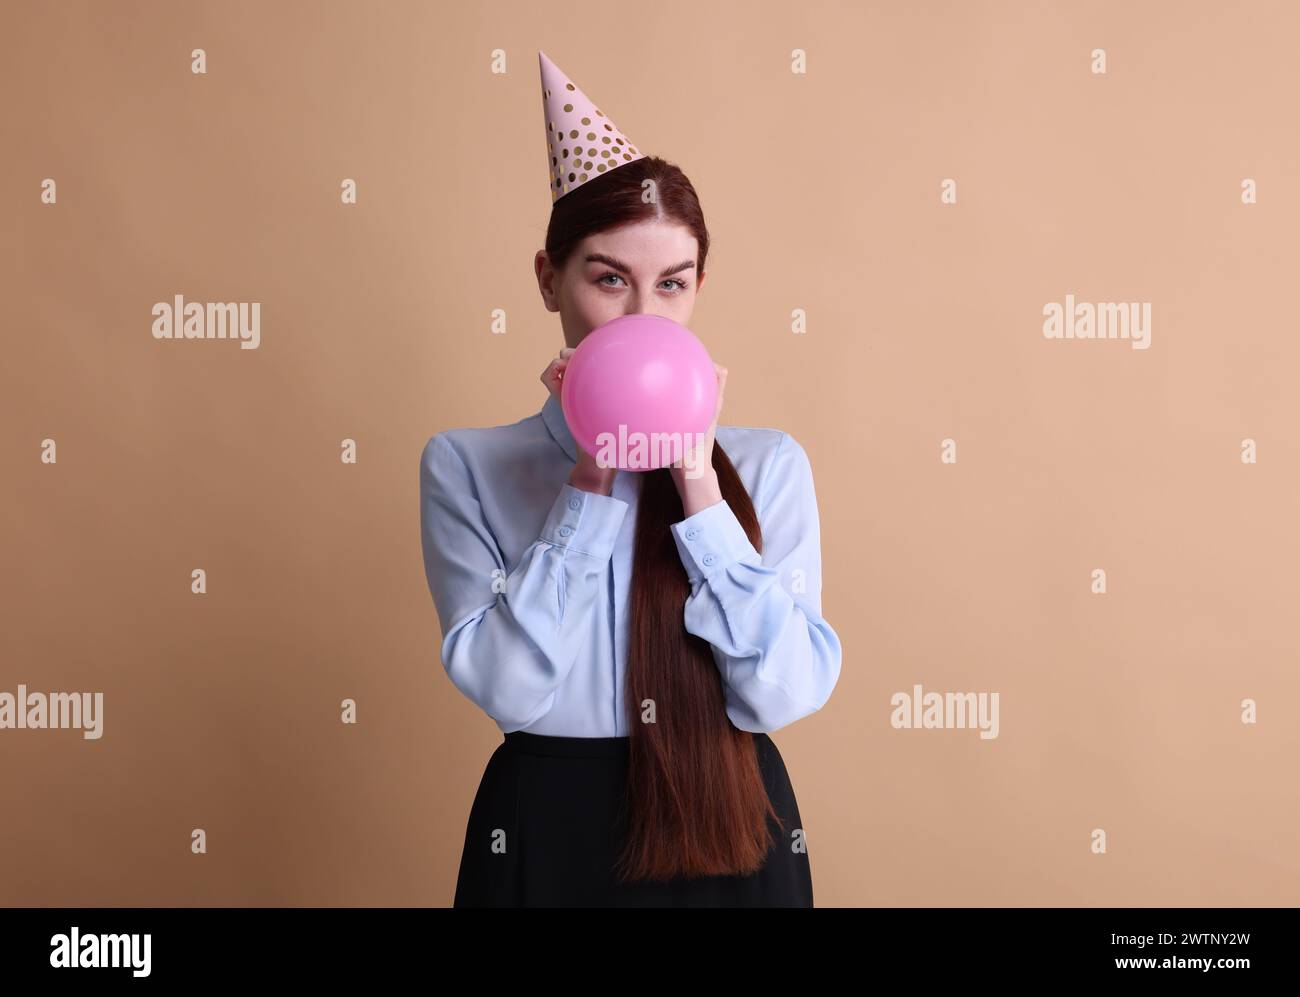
(581, 141)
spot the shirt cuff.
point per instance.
(585, 522)
(712, 540)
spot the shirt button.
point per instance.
(575, 502)
(565, 530)
(692, 533)
(710, 558)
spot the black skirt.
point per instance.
(544, 831)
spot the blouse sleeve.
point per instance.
(509, 639)
(779, 658)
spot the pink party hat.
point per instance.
(581, 141)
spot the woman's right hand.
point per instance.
(587, 473)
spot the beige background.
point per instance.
(1119, 712)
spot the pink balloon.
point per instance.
(637, 390)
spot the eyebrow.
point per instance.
(609, 261)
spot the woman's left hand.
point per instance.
(697, 476)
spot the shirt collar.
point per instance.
(553, 415)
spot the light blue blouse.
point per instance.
(530, 577)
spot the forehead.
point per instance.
(644, 245)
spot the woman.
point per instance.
(635, 635)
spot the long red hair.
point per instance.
(696, 804)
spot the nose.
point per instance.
(642, 303)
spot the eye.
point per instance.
(672, 284)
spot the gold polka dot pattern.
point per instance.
(581, 141)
